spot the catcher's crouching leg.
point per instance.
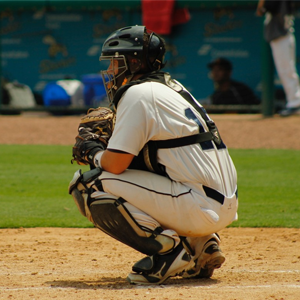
(109, 214)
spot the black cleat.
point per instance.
(158, 268)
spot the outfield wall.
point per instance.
(44, 41)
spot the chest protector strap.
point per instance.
(147, 159)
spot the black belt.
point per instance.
(211, 193)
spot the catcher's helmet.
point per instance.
(131, 50)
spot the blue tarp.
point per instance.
(55, 95)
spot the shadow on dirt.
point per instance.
(119, 283)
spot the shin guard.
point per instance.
(112, 217)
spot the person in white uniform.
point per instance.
(279, 33)
(166, 183)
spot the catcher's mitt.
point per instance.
(94, 132)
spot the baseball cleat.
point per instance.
(210, 259)
(158, 268)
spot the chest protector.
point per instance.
(147, 158)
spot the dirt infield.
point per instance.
(56, 263)
(238, 131)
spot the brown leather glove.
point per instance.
(94, 132)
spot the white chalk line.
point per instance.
(264, 271)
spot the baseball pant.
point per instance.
(283, 50)
(155, 200)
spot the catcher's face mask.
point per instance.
(114, 76)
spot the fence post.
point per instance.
(1, 79)
(268, 90)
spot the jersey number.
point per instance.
(204, 145)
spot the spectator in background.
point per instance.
(278, 32)
(227, 90)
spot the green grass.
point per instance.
(269, 190)
(34, 187)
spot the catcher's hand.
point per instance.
(94, 132)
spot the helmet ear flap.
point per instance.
(155, 52)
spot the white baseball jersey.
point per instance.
(179, 204)
(153, 111)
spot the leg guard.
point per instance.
(80, 189)
(109, 214)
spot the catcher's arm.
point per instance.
(114, 162)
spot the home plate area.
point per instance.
(68, 263)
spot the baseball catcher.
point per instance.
(161, 181)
